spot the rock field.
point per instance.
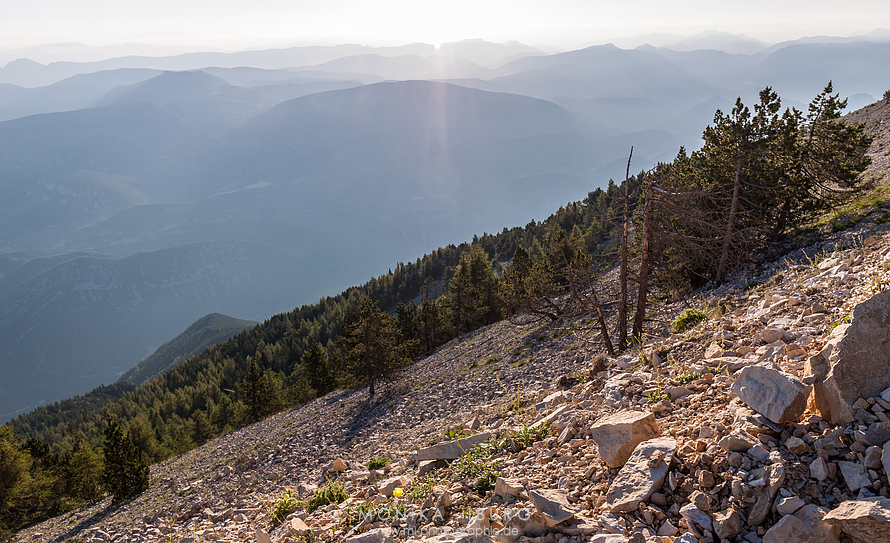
(768, 422)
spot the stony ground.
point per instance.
(564, 437)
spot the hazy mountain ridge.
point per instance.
(203, 333)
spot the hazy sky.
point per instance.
(565, 23)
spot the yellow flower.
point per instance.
(397, 492)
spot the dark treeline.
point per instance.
(757, 178)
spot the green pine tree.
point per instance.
(125, 473)
(371, 345)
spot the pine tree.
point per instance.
(83, 473)
(125, 473)
(371, 345)
(474, 295)
(318, 369)
(15, 465)
(261, 392)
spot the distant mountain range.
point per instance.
(136, 197)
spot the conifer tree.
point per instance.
(83, 473)
(318, 370)
(371, 345)
(125, 473)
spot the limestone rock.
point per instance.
(507, 487)
(613, 390)
(727, 524)
(773, 476)
(386, 487)
(771, 335)
(865, 521)
(796, 445)
(521, 523)
(458, 537)
(580, 527)
(450, 450)
(339, 466)
(792, 529)
(693, 514)
(262, 536)
(618, 434)
(298, 527)
(667, 529)
(859, 361)
(787, 506)
(778, 396)
(885, 457)
(428, 466)
(639, 478)
(737, 442)
(714, 350)
(608, 538)
(819, 469)
(817, 368)
(552, 505)
(854, 475)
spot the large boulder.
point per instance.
(804, 526)
(617, 435)
(865, 521)
(859, 361)
(778, 396)
(553, 505)
(642, 474)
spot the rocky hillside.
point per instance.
(877, 121)
(761, 423)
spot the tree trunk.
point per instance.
(644, 268)
(730, 225)
(622, 305)
(602, 322)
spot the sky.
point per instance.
(244, 24)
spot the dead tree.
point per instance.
(622, 304)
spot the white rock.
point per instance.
(787, 506)
(552, 505)
(778, 396)
(866, 521)
(641, 476)
(617, 435)
(854, 475)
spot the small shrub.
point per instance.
(687, 376)
(285, 506)
(525, 437)
(378, 462)
(456, 433)
(333, 493)
(658, 395)
(478, 466)
(598, 364)
(422, 487)
(688, 319)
